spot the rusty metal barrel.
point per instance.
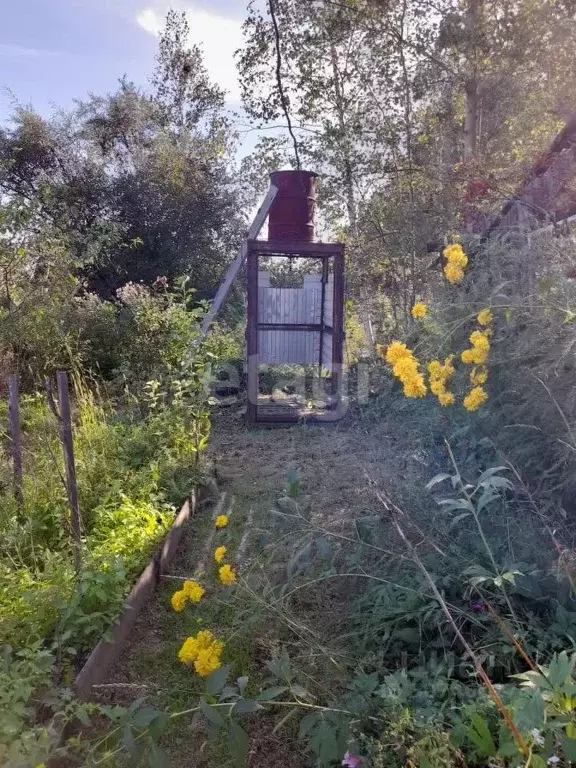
(291, 214)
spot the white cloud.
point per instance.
(19, 51)
(219, 37)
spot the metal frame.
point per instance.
(324, 251)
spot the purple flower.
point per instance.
(478, 606)
(351, 761)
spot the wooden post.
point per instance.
(338, 330)
(15, 437)
(252, 337)
(65, 422)
(68, 447)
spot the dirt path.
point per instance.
(336, 462)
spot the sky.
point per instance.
(55, 51)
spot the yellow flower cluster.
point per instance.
(439, 375)
(456, 260)
(475, 398)
(202, 650)
(405, 367)
(191, 592)
(226, 574)
(478, 352)
(419, 310)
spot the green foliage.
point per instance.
(96, 601)
(31, 597)
(129, 470)
(23, 674)
(92, 283)
(127, 532)
(136, 457)
(116, 178)
(433, 711)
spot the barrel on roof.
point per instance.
(291, 214)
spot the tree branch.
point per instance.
(283, 99)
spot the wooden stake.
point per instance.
(15, 437)
(68, 447)
(65, 422)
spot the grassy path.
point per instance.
(337, 464)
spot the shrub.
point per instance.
(96, 601)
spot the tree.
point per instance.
(137, 185)
(348, 72)
(420, 120)
(182, 87)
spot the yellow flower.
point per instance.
(406, 367)
(439, 375)
(479, 356)
(467, 356)
(441, 371)
(204, 645)
(219, 554)
(415, 387)
(189, 650)
(206, 662)
(419, 310)
(395, 351)
(206, 639)
(455, 256)
(226, 574)
(221, 521)
(453, 273)
(485, 317)
(437, 387)
(475, 398)
(480, 339)
(478, 376)
(446, 398)
(178, 600)
(193, 591)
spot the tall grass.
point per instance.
(130, 476)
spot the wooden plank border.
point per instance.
(106, 653)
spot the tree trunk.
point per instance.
(408, 300)
(348, 178)
(471, 119)
(473, 15)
